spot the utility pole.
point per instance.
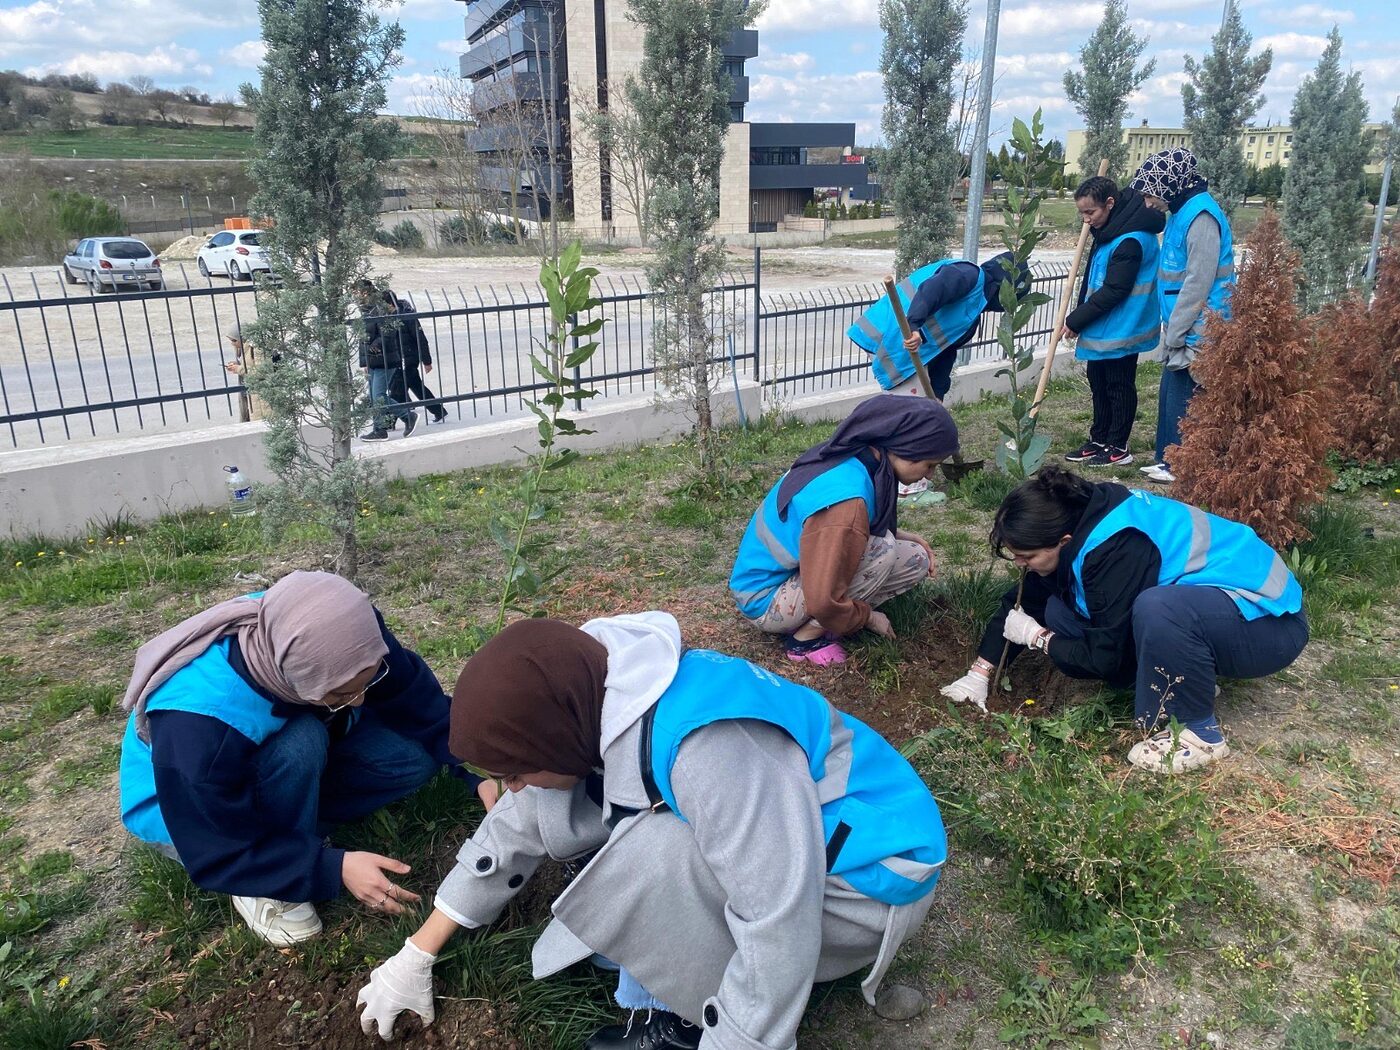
(972, 228)
(1384, 201)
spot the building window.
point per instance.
(766, 155)
(1271, 141)
(1249, 155)
(1286, 153)
(1252, 138)
(1269, 154)
(1288, 138)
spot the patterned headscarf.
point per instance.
(1168, 174)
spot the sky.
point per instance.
(818, 59)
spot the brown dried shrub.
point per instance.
(1255, 438)
(1360, 343)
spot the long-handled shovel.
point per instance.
(959, 468)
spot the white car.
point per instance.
(235, 253)
(109, 264)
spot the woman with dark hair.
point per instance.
(260, 723)
(722, 906)
(1143, 591)
(825, 546)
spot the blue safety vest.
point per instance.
(1172, 274)
(1133, 326)
(883, 832)
(1201, 550)
(207, 685)
(768, 552)
(877, 330)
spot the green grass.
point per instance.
(153, 142)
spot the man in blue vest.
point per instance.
(944, 302)
(1116, 319)
(1195, 278)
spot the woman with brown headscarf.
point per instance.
(257, 724)
(721, 906)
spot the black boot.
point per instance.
(656, 1030)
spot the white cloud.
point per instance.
(837, 97)
(247, 55)
(795, 62)
(1299, 13)
(162, 63)
(1294, 45)
(1042, 22)
(811, 15)
(47, 32)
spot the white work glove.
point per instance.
(1021, 629)
(972, 686)
(404, 982)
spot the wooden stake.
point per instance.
(1063, 311)
(1006, 644)
(906, 331)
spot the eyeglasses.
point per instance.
(355, 698)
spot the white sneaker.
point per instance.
(1150, 468)
(913, 490)
(1161, 473)
(278, 922)
(1157, 755)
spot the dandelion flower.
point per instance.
(41, 554)
(64, 981)
(223, 525)
(62, 554)
(19, 565)
(91, 540)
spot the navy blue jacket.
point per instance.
(206, 798)
(948, 285)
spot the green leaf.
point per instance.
(1005, 428)
(502, 532)
(565, 426)
(591, 328)
(568, 262)
(549, 281)
(580, 394)
(553, 399)
(564, 458)
(1035, 453)
(580, 355)
(544, 369)
(546, 430)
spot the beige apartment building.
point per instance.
(1262, 146)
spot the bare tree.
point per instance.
(446, 108)
(163, 104)
(617, 130)
(121, 104)
(223, 110)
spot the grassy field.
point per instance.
(1252, 906)
(151, 143)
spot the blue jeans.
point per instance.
(1184, 638)
(1173, 396)
(384, 405)
(313, 782)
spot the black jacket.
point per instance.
(1117, 571)
(1130, 214)
(392, 337)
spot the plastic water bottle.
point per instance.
(241, 501)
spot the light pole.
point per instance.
(972, 229)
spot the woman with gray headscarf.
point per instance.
(261, 722)
(1195, 276)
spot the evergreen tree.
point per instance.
(1100, 93)
(320, 151)
(919, 61)
(1321, 208)
(681, 98)
(1219, 100)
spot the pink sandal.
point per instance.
(822, 650)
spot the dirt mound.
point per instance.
(184, 248)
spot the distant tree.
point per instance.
(1255, 438)
(121, 104)
(1220, 98)
(919, 61)
(63, 111)
(162, 104)
(142, 85)
(1321, 209)
(617, 127)
(320, 152)
(223, 110)
(456, 178)
(193, 95)
(1100, 92)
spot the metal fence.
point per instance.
(78, 366)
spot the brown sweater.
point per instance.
(833, 543)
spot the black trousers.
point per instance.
(1113, 384)
(410, 379)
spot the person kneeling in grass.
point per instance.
(1141, 590)
(261, 722)
(825, 545)
(721, 906)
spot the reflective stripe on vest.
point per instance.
(1201, 550)
(1171, 274)
(768, 552)
(877, 331)
(209, 686)
(1134, 325)
(882, 828)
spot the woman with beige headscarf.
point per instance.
(259, 723)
